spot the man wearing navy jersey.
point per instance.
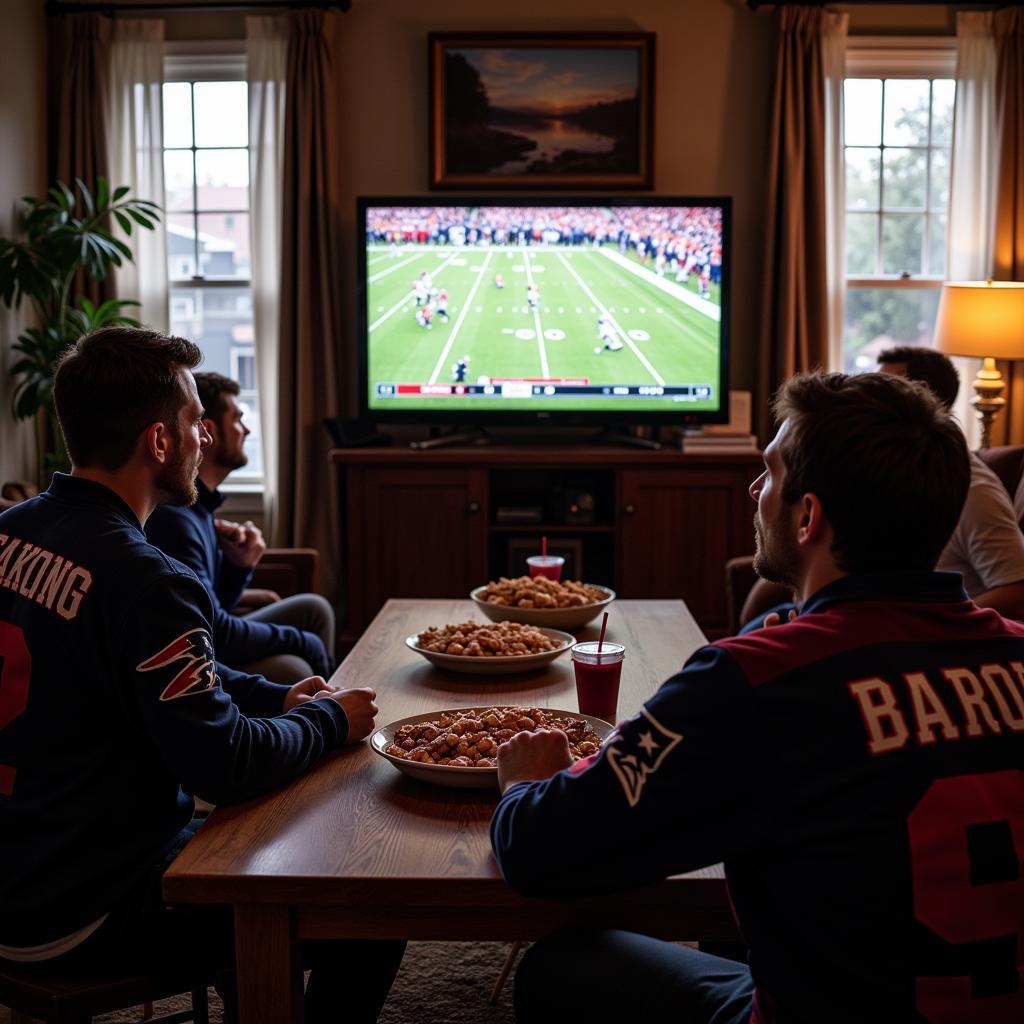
(859, 770)
(113, 711)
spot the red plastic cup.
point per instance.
(546, 565)
(597, 678)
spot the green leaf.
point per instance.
(87, 201)
(120, 192)
(126, 224)
(102, 192)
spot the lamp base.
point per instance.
(988, 397)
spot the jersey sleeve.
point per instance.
(166, 663)
(237, 640)
(680, 786)
(255, 695)
(231, 582)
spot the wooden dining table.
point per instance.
(356, 849)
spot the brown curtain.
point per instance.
(79, 48)
(1008, 27)
(311, 311)
(794, 334)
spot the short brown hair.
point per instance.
(212, 387)
(929, 366)
(112, 384)
(887, 462)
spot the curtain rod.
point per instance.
(56, 7)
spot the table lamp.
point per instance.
(984, 319)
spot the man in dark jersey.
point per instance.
(859, 770)
(285, 640)
(113, 711)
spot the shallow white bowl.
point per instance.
(474, 665)
(554, 618)
(458, 777)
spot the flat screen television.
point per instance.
(484, 311)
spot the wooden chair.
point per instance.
(32, 997)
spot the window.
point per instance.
(206, 189)
(898, 131)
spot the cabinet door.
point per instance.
(425, 534)
(678, 527)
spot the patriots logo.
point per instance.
(649, 748)
(195, 649)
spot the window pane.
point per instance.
(906, 112)
(223, 178)
(178, 179)
(181, 247)
(878, 318)
(219, 321)
(222, 114)
(861, 242)
(937, 244)
(902, 237)
(939, 186)
(862, 179)
(862, 114)
(943, 95)
(904, 175)
(224, 245)
(177, 114)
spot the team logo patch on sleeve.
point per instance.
(195, 675)
(635, 758)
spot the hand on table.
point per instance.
(242, 543)
(358, 704)
(530, 756)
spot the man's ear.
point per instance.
(210, 426)
(812, 522)
(156, 440)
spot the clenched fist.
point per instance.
(530, 756)
(242, 543)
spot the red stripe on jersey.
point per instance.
(767, 653)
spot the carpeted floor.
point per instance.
(463, 972)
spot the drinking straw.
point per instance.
(600, 639)
(544, 547)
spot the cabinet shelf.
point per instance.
(420, 523)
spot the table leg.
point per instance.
(269, 965)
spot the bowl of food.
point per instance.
(539, 601)
(490, 648)
(459, 747)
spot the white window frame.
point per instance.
(891, 57)
(213, 61)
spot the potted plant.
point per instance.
(61, 235)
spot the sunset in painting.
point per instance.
(542, 110)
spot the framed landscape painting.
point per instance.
(544, 111)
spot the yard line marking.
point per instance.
(458, 323)
(622, 334)
(404, 299)
(398, 266)
(705, 306)
(541, 350)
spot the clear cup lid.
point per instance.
(587, 652)
(545, 560)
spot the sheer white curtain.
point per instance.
(266, 49)
(972, 195)
(834, 68)
(135, 139)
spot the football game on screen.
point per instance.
(560, 308)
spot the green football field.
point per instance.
(666, 340)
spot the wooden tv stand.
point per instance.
(435, 523)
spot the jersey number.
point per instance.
(960, 910)
(15, 672)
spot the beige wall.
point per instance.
(714, 68)
(22, 172)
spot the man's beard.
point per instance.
(229, 460)
(776, 556)
(177, 479)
